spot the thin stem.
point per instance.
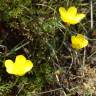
(57, 89)
(16, 81)
(91, 5)
(84, 59)
(20, 90)
(91, 55)
(84, 56)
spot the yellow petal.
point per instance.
(9, 66)
(84, 44)
(18, 70)
(19, 73)
(74, 42)
(72, 11)
(20, 59)
(79, 41)
(79, 17)
(62, 11)
(28, 65)
(20, 67)
(76, 19)
(73, 21)
(83, 41)
(70, 16)
(73, 39)
(80, 36)
(8, 63)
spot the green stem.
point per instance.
(16, 81)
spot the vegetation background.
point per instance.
(34, 28)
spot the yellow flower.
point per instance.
(19, 67)
(79, 41)
(71, 16)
